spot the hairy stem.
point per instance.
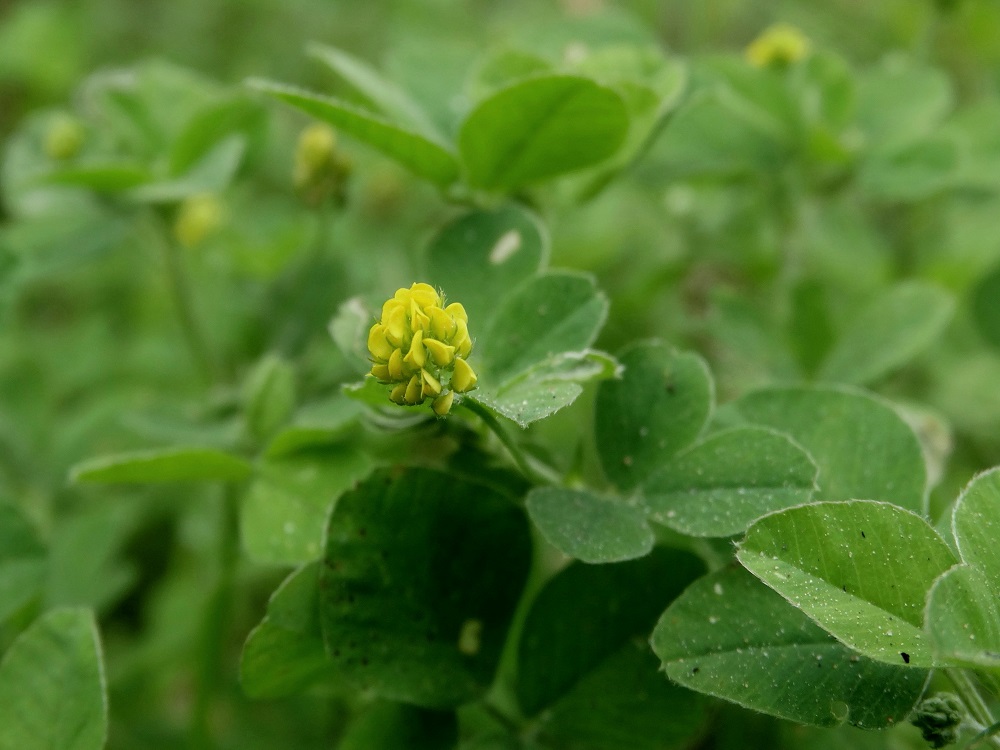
(535, 473)
(974, 702)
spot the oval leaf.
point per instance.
(52, 691)
(590, 527)
(284, 654)
(539, 128)
(585, 614)
(731, 637)
(163, 465)
(976, 524)
(481, 256)
(420, 579)
(863, 448)
(860, 569)
(555, 312)
(720, 485)
(963, 619)
(656, 409)
(286, 507)
(422, 156)
(888, 333)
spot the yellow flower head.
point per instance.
(779, 45)
(420, 347)
(198, 217)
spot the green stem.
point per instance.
(534, 473)
(180, 290)
(987, 734)
(973, 700)
(213, 640)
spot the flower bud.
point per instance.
(778, 46)
(321, 171)
(64, 137)
(419, 346)
(198, 217)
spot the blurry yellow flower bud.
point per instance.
(321, 171)
(419, 346)
(64, 137)
(778, 46)
(198, 217)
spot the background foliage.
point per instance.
(740, 306)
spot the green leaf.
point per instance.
(52, 691)
(731, 637)
(863, 448)
(586, 614)
(902, 100)
(539, 128)
(180, 464)
(976, 524)
(657, 409)
(963, 614)
(888, 333)
(555, 312)
(860, 569)
(210, 174)
(963, 618)
(400, 726)
(911, 172)
(286, 507)
(268, 396)
(22, 561)
(590, 527)
(420, 579)
(719, 486)
(422, 156)
(284, 654)
(316, 425)
(107, 177)
(985, 311)
(548, 386)
(625, 704)
(211, 125)
(481, 256)
(386, 96)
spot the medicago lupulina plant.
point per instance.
(495, 507)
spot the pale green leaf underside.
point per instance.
(860, 569)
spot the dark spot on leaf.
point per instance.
(364, 662)
(336, 653)
(863, 535)
(696, 670)
(670, 387)
(845, 588)
(362, 532)
(906, 657)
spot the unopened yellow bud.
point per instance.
(464, 378)
(419, 346)
(321, 171)
(198, 217)
(64, 137)
(779, 45)
(442, 404)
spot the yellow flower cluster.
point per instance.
(420, 346)
(779, 45)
